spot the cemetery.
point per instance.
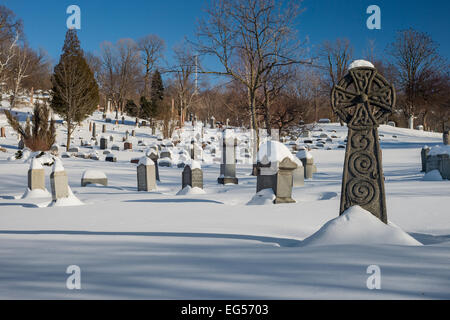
(274, 182)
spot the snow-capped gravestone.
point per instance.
(276, 166)
(423, 155)
(308, 163)
(192, 176)
(146, 175)
(153, 155)
(94, 177)
(438, 159)
(228, 165)
(59, 181)
(36, 175)
(363, 99)
(196, 152)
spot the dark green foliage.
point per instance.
(75, 90)
(38, 134)
(157, 93)
(132, 109)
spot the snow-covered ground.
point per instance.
(213, 245)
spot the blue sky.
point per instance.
(45, 21)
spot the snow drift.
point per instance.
(358, 226)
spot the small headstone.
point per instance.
(115, 147)
(111, 158)
(154, 157)
(446, 137)
(93, 131)
(133, 133)
(192, 176)
(36, 175)
(228, 166)
(2, 132)
(21, 144)
(424, 154)
(104, 128)
(103, 144)
(94, 177)
(146, 175)
(59, 182)
(127, 146)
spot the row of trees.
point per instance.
(21, 68)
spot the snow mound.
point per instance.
(438, 150)
(263, 197)
(146, 161)
(273, 151)
(360, 63)
(434, 175)
(358, 226)
(70, 201)
(93, 174)
(188, 190)
(35, 194)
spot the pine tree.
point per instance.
(75, 93)
(38, 134)
(157, 93)
(132, 109)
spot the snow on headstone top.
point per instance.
(359, 227)
(273, 151)
(58, 166)
(440, 150)
(35, 164)
(304, 154)
(360, 63)
(195, 165)
(93, 174)
(146, 161)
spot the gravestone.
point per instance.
(123, 120)
(59, 182)
(212, 122)
(146, 175)
(446, 137)
(127, 146)
(90, 126)
(192, 177)
(103, 143)
(228, 165)
(36, 175)
(133, 133)
(423, 155)
(94, 177)
(21, 144)
(279, 177)
(363, 99)
(2, 132)
(104, 128)
(154, 157)
(93, 131)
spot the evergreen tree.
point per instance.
(37, 134)
(132, 109)
(148, 111)
(157, 93)
(75, 93)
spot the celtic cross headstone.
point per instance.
(363, 99)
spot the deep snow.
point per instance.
(160, 245)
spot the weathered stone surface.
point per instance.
(36, 179)
(363, 99)
(446, 138)
(104, 128)
(440, 162)
(154, 157)
(93, 130)
(146, 177)
(59, 185)
(193, 178)
(127, 146)
(2, 132)
(228, 165)
(103, 144)
(423, 155)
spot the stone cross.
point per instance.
(363, 99)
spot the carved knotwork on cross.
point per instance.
(363, 99)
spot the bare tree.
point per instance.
(121, 72)
(250, 38)
(417, 61)
(151, 48)
(19, 70)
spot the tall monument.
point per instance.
(363, 99)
